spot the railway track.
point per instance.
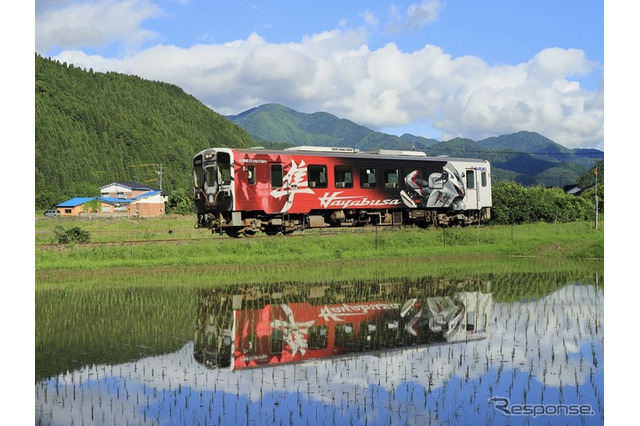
(218, 237)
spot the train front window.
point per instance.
(225, 174)
(210, 177)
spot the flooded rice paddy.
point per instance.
(520, 348)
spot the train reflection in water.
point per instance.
(252, 327)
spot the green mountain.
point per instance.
(542, 147)
(460, 147)
(271, 123)
(529, 142)
(526, 157)
(92, 129)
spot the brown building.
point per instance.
(118, 198)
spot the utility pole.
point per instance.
(158, 172)
(596, 192)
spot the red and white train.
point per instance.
(232, 332)
(243, 191)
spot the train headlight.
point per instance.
(210, 198)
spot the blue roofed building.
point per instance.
(75, 206)
(118, 198)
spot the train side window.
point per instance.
(344, 335)
(391, 178)
(368, 177)
(317, 176)
(277, 341)
(276, 175)
(318, 337)
(471, 180)
(198, 172)
(343, 177)
(483, 178)
(471, 321)
(251, 175)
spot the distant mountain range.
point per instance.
(526, 157)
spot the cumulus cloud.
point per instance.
(336, 71)
(92, 24)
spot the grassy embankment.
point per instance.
(183, 255)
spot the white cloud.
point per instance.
(335, 71)
(92, 24)
(370, 18)
(418, 15)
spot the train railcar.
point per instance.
(243, 191)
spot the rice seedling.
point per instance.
(439, 382)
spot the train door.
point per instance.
(279, 190)
(471, 186)
(224, 178)
(478, 187)
(484, 188)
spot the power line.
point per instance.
(159, 171)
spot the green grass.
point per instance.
(308, 256)
(122, 230)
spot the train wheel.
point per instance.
(271, 230)
(422, 224)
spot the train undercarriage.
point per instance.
(238, 224)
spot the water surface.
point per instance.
(495, 349)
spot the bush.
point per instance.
(180, 203)
(73, 235)
(590, 196)
(514, 203)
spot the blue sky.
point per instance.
(434, 68)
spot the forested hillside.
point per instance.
(276, 123)
(93, 128)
